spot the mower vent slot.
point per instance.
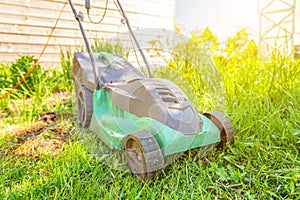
(162, 88)
(169, 100)
(166, 93)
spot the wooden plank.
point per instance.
(25, 25)
(44, 12)
(50, 60)
(111, 23)
(37, 18)
(44, 28)
(124, 39)
(47, 58)
(37, 48)
(49, 7)
(59, 32)
(51, 14)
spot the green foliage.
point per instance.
(106, 46)
(10, 75)
(5, 77)
(206, 40)
(262, 100)
(29, 99)
(193, 69)
(237, 44)
(66, 65)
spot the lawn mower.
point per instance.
(147, 118)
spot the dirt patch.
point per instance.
(43, 137)
(38, 146)
(26, 132)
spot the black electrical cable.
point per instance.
(103, 16)
(119, 10)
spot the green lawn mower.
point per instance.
(147, 118)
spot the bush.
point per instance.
(10, 75)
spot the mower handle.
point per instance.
(92, 59)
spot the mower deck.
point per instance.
(112, 125)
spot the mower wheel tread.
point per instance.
(85, 106)
(224, 125)
(144, 156)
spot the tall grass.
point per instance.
(29, 100)
(262, 100)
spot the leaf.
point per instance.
(297, 133)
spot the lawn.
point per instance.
(44, 154)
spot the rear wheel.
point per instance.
(224, 125)
(85, 106)
(143, 154)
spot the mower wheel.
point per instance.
(224, 125)
(85, 106)
(143, 154)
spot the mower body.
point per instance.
(126, 102)
(150, 119)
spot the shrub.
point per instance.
(14, 72)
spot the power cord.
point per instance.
(103, 16)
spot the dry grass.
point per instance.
(42, 137)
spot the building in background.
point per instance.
(26, 24)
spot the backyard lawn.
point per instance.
(43, 155)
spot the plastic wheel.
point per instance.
(143, 154)
(224, 125)
(85, 106)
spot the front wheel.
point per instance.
(143, 154)
(224, 125)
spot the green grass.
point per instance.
(262, 100)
